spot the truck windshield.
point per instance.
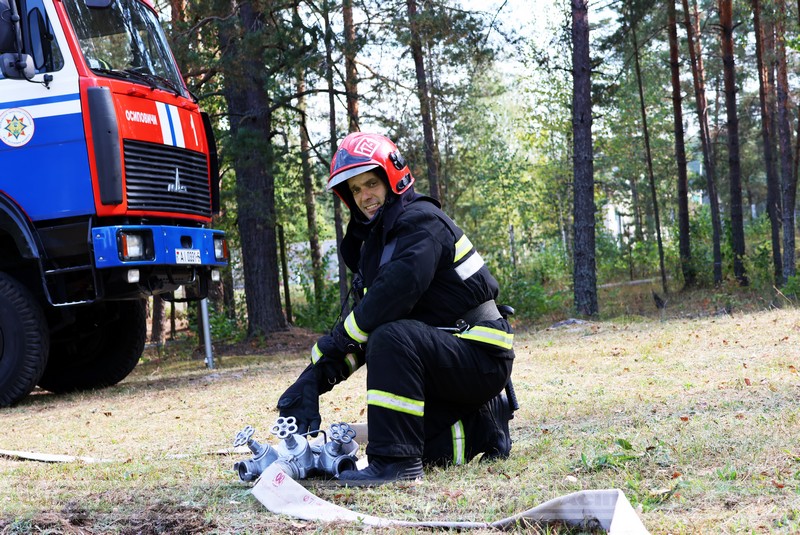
(125, 40)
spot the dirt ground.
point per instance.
(294, 340)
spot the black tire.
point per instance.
(100, 349)
(23, 341)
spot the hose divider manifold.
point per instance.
(296, 455)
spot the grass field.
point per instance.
(697, 421)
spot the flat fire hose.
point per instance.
(606, 509)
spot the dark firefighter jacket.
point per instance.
(417, 264)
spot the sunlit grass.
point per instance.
(697, 421)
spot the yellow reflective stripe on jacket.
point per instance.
(487, 335)
(459, 443)
(463, 246)
(393, 402)
(316, 354)
(353, 330)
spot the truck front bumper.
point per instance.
(158, 245)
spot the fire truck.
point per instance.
(108, 183)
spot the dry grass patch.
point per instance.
(697, 421)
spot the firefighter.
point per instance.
(437, 349)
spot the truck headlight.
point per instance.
(220, 248)
(134, 246)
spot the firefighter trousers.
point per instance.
(426, 388)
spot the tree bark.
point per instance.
(788, 184)
(424, 100)
(317, 273)
(337, 205)
(228, 297)
(157, 333)
(351, 72)
(649, 159)
(584, 268)
(684, 238)
(698, 75)
(734, 161)
(764, 47)
(251, 132)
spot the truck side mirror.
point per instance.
(18, 66)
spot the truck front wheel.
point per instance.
(99, 349)
(23, 341)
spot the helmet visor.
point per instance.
(348, 174)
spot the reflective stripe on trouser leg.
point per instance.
(459, 443)
(488, 335)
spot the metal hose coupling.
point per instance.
(263, 455)
(338, 454)
(296, 456)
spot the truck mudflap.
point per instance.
(158, 245)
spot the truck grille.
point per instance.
(166, 179)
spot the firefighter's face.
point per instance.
(369, 192)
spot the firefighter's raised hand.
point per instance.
(301, 400)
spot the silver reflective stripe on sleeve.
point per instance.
(470, 266)
(387, 400)
(459, 443)
(353, 330)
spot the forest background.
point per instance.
(580, 145)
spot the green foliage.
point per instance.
(702, 243)
(523, 288)
(792, 287)
(226, 329)
(614, 255)
(615, 459)
(758, 261)
(309, 314)
(727, 473)
(318, 317)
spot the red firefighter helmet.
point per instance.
(360, 152)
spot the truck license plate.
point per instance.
(187, 256)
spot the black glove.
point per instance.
(343, 342)
(301, 400)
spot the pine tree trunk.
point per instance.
(649, 160)
(337, 205)
(684, 239)
(764, 47)
(698, 75)
(251, 131)
(351, 72)
(424, 100)
(317, 273)
(228, 296)
(734, 162)
(788, 184)
(157, 333)
(584, 268)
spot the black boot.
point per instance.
(383, 470)
(498, 444)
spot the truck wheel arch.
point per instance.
(16, 224)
